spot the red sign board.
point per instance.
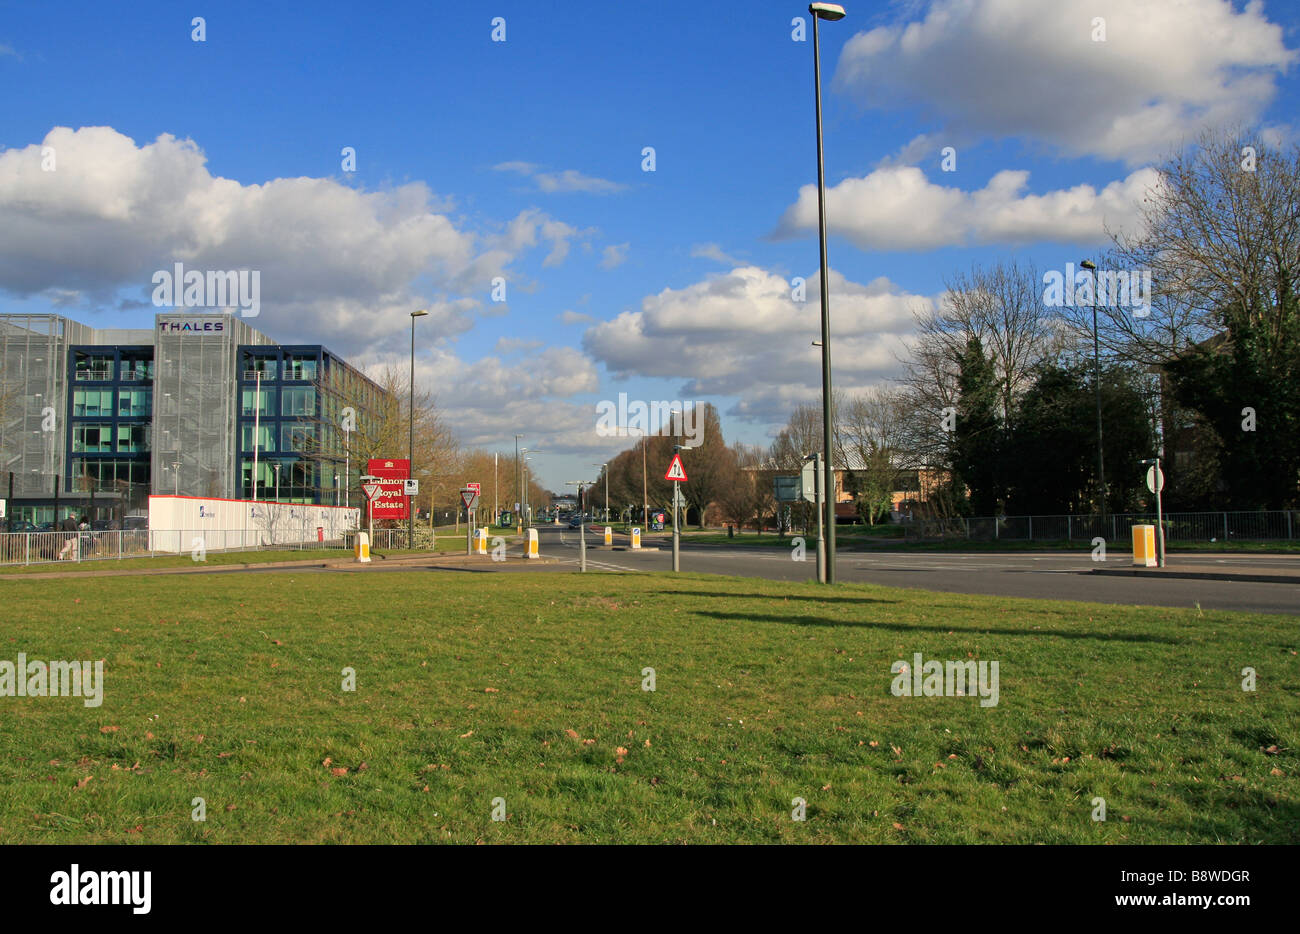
(391, 500)
(476, 487)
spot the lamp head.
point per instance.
(826, 11)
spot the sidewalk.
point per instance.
(449, 559)
(1209, 572)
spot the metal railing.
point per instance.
(113, 545)
(1259, 526)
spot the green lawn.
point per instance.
(528, 687)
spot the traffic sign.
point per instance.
(370, 489)
(412, 487)
(1155, 479)
(469, 497)
(676, 472)
(476, 487)
(808, 482)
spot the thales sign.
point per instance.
(191, 325)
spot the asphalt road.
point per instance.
(1047, 575)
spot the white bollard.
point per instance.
(362, 548)
(532, 544)
(636, 538)
(480, 541)
(609, 535)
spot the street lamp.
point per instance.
(176, 477)
(519, 522)
(606, 472)
(410, 516)
(1096, 379)
(276, 468)
(829, 12)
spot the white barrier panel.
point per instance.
(177, 522)
(636, 538)
(363, 547)
(609, 535)
(480, 541)
(532, 544)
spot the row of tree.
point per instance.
(997, 408)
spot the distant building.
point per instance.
(116, 414)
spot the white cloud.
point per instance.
(512, 345)
(898, 208)
(998, 68)
(568, 180)
(742, 334)
(571, 180)
(714, 252)
(614, 255)
(574, 317)
(340, 264)
(519, 168)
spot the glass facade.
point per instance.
(110, 424)
(185, 408)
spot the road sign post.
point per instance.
(469, 497)
(677, 474)
(370, 487)
(1156, 484)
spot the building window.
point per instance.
(265, 437)
(300, 438)
(269, 367)
(136, 371)
(248, 398)
(300, 367)
(132, 438)
(298, 402)
(92, 403)
(92, 439)
(97, 367)
(134, 402)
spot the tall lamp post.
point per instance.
(519, 522)
(1096, 380)
(606, 472)
(830, 12)
(410, 440)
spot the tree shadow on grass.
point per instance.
(945, 629)
(773, 596)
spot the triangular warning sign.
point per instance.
(675, 470)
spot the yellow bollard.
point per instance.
(1144, 545)
(532, 544)
(362, 548)
(636, 538)
(480, 541)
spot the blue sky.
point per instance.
(523, 159)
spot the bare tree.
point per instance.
(873, 429)
(1221, 229)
